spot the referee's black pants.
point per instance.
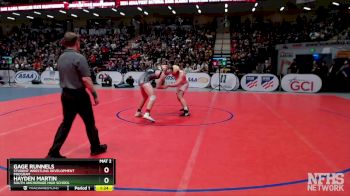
(75, 101)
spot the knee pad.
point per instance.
(152, 98)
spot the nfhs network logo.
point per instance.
(325, 182)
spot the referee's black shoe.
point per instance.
(99, 150)
(55, 156)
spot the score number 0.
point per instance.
(106, 171)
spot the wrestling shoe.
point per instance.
(138, 114)
(148, 117)
(185, 113)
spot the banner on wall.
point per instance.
(170, 79)
(228, 81)
(50, 77)
(260, 82)
(116, 77)
(26, 76)
(303, 83)
(166, 2)
(7, 75)
(135, 75)
(237, 84)
(198, 80)
(195, 80)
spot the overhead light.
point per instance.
(11, 18)
(30, 17)
(114, 10)
(256, 4)
(87, 11)
(122, 13)
(281, 9)
(199, 11)
(335, 3)
(63, 12)
(75, 16)
(16, 14)
(174, 12)
(146, 13)
(226, 10)
(226, 5)
(49, 16)
(197, 6)
(169, 7)
(96, 15)
(140, 9)
(253, 10)
(307, 8)
(38, 13)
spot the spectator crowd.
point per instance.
(121, 48)
(253, 42)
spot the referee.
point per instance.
(74, 78)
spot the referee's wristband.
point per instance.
(94, 94)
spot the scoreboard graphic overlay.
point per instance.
(61, 174)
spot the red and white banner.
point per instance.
(102, 4)
(166, 2)
(259, 82)
(301, 83)
(62, 5)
